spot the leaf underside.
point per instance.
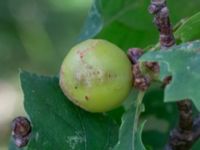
(182, 62)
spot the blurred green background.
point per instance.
(34, 36)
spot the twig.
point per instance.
(140, 81)
(162, 22)
(182, 137)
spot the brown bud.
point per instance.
(134, 54)
(153, 9)
(21, 129)
(166, 81)
(141, 82)
(21, 142)
(153, 66)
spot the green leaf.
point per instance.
(161, 117)
(189, 30)
(93, 24)
(127, 23)
(116, 114)
(155, 139)
(154, 106)
(121, 21)
(183, 64)
(138, 140)
(59, 124)
(130, 134)
(196, 145)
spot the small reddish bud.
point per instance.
(141, 82)
(21, 129)
(134, 54)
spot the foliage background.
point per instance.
(36, 34)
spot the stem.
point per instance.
(186, 119)
(157, 46)
(138, 108)
(138, 111)
(181, 138)
(162, 22)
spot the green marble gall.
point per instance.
(96, 75)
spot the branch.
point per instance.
(161, 19)
(182, 137)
